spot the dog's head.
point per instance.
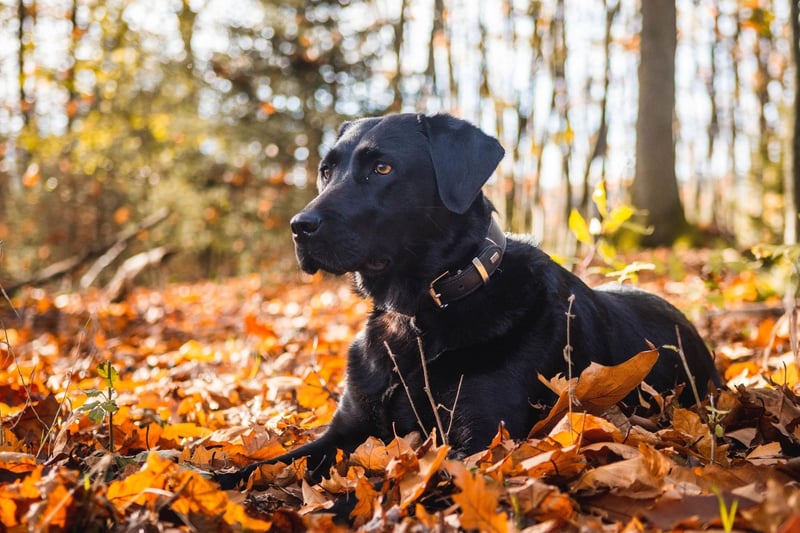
(385, 189)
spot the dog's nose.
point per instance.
(305, 224)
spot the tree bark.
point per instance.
(655, 186)
(792, 185)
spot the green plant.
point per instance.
(600, 232)
(102, 404)
(727, 515)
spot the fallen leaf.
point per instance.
(584, 428)
(599, 387)
(477, 500)
(372, 455)
(366, 502)
(639, 477)
(413, 471)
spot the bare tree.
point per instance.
(655, 187)
(792, 179)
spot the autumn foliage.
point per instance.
(187, 380)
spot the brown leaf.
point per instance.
(313, 500)
(477, 500)
(599, 387)
(414, 471)
(537, 499)
(372, 455)
(366, 501)
(584, 428)
(639, 477)
(563, 463)
(690, 424)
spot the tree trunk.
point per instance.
(792, 184)
(655, 187)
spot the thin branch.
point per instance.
(453, 410)
(427, 389)
(10, 303)
(689, 375)
(568, 359)
(568, 353)
(405, 386)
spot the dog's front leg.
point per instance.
(349, 428)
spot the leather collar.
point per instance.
(448, 288)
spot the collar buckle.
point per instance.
(437, 296)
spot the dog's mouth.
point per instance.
(376, 266)
(311, 263)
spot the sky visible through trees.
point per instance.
(218, 111)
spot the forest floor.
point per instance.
(188, 379)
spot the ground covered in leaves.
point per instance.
(185, 380)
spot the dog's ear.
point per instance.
(463, 158)
(343, 128)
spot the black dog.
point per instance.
(400, 206)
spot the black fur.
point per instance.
(397, 232)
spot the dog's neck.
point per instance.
(450, 286)
(454, 255)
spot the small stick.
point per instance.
(453, 410)
(405, 386)
(689, 375)
(427, 389)
(568, 359)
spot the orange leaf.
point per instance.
(477, 500)
(339, 484)
(691, 425)
(372, 455)
(195, 351)
(585, 428)
(564, 463)
(277, 474)
(177, 432)
(603, 386)
(254, 326)
(161, 480)
(122, 215)
(599, 386)
(415, 470)
(31, 176)
(8, 510)
(366, 497)
(312, 393)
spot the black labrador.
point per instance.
(400, 206)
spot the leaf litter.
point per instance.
(192, 379)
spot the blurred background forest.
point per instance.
(193, 127)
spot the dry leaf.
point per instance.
(639, 477)
(599, 387)
(366, 502)
(372, 455)
(477, 500)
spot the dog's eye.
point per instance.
(325, 172)
(383, 168)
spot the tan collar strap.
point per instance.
(448, 288)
